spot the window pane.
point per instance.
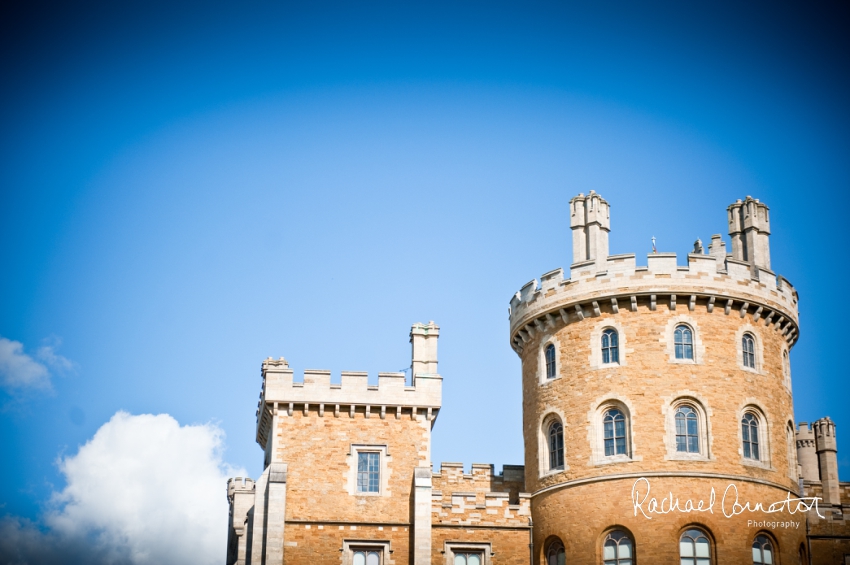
(768, 556)
(609, 428)
(359, 558)
(626, 548)
(686, 548)
(620, 427)
(689, 352)
(702, 547)
(687, 336)
(755, 449)
(747, 453)
(609, 550)
(606, 342)
(680, 351)
(680, 443)
(460, 559)
(621, 446)
(757, 554)
(474, 560)
(605, 356)
(692, 426)
(372, 558)
(615, 355)
(693, 444)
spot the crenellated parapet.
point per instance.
(480, 498)
(392, 397)
(735, 284)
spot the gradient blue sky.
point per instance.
(190, 188)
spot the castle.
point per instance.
(657, 420)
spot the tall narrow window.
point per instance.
(762, 551)
(555, 554)
(750, 433)
(368, 471)
(687, 430)
(556, 446)
(617, 549)
(550, 361)
(683, 340)
(694, 548)
(614, 425)
(749, 347)
(610, 346)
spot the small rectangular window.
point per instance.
(368, 471)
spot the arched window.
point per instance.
(610, 346)
(556, 445)
(687, 430)
(694, 548)
(617, 549)
(683, 340)
(762, 551)
(550, 361)
(749, 347)
(786, 368)
(555, 554)
(614, 426)
(750, 433)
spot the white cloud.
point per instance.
(19, 371)
(143, 490)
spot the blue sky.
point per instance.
(190, 188)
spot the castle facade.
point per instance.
(657, 419)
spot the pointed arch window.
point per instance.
(610, 346)
(555, 554)
(762, 551)
(617, 549)
(614, 428)
(694, 548)
(683, 340)
(687, 430)
(555, 436)
(750, 434)
(748, 345)
(550, 361)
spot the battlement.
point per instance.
(741, 281)
(354, 394)
(480, 497)
(804, 433)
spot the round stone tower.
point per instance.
(657, 397)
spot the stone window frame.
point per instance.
(785, 357)
(744, 329)
(668, 340)
(791, 450)
(603, 537)
(774, 545)
(541, 360)
(596, 430)
(349, 546)
(385, 469)
(546, 419)
(698, 404)
(751, 406)
(595, 357)
(484, 548)
(712, 543)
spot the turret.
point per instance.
(806, 452)
(749, 228)
(590, 220)
(423, 341)
(827, 450)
